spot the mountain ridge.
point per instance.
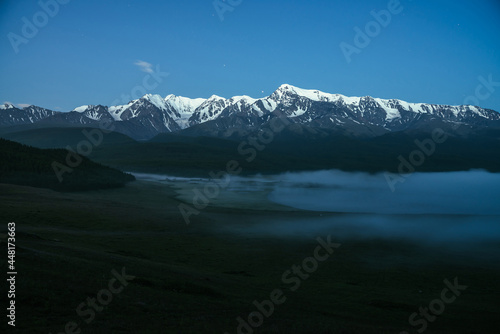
(153, 114)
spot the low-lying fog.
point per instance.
(427, 207)
(474, 192)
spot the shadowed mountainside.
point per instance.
(295, 148)
(25, 165)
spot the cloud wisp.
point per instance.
(144, 66)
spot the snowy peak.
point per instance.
(117, 111)
(287, 90)
(92, 112)
(182, 108)
(82, 109)
(216, 106)
(7, 106)
(184, 104)
(215, 98)
(156, 100)
(209, 110)
(242, 99)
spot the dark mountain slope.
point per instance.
(25, 165)
(62, 137)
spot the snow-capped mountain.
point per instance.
(182, 108)
(11, 115)
(7, 106)
(152, 114)
(312, 105)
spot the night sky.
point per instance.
(95, 52)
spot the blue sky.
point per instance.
(88, 53)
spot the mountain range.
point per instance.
(151, 115)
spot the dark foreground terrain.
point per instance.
(199, 279)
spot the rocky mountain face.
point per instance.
(151, 115)
(10, 115)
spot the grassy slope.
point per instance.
(197, 279)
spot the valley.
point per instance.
(203, 276)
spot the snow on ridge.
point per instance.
(82, 109)
(184, 104)
(156, 100)
(185, 111)
(209, 111)
(7, 106)
(421, 108)
(245, 98)
(269, 104)
(353, 100)
(215, 97)
(298, 112)
(184, 107)
(391, 113)
(117, 111)
(317, 95)
(94, 115)
(425, 108)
